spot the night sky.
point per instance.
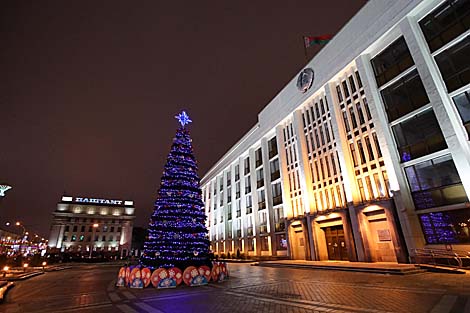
(89, 89)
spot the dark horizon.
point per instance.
(89, 90)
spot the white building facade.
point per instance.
(92, 226)
(365, 156)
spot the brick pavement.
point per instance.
(252, 289)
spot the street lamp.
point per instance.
(5, 270)
(22, 226)
(95, 226)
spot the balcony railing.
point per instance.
(261, 205)
(239, 233)
(249, 210)
(249, 231)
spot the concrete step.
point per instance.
(441, 269)
(373, 268)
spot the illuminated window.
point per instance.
(435, 183)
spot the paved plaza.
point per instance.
(250, 289)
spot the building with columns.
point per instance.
(92, 226)
(365, 155)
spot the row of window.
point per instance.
(354, 87)
(90, 220)
(276, 199)
(81, 238)
(272, 151)
(104, 228)
(280, 243)
(361, 155)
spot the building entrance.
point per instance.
(336, 243)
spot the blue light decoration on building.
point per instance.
(438, 228)
(405, 156)
(177, 235)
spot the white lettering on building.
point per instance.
(101, 201)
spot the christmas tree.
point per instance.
(177, 235)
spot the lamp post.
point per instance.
(95, 226)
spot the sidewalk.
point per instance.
(379, 268)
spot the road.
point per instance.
(250, 289)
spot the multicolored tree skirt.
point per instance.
(141, 277)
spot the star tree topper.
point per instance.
(183, 118)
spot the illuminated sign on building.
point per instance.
(100, 201)
(97, 201)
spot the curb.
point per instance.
(4, 288)
(25, 276)
(57, 268)
(237, 261)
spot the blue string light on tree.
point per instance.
(177, 235)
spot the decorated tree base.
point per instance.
(161, 278)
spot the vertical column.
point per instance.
(126, 234)
(254, 199)
(223, 211)
(347, 171)
(57, 235)
(268, 193)
(342, 146)
(441, 103)
(404, 204)
(305, 177)
(284, 173)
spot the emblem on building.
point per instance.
(305, 80)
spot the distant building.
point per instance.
(80, 224)
(10, 241)
(365, 154)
